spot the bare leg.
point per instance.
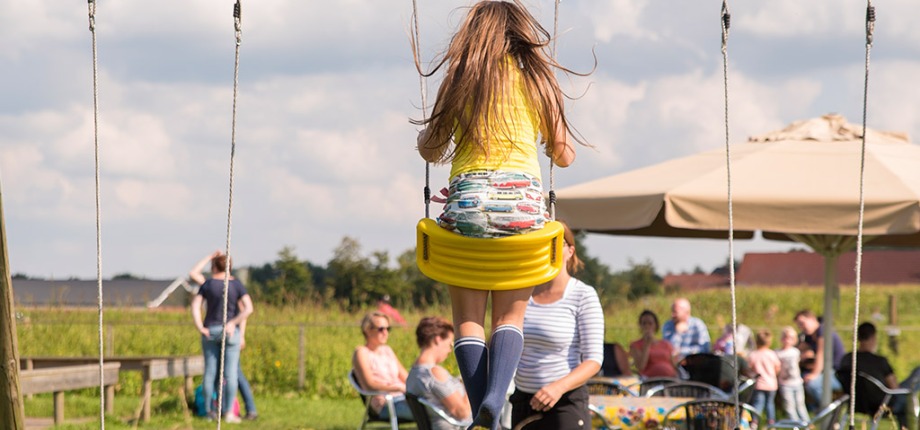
(469, 309)
(508, 307)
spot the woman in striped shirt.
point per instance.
(563, 348)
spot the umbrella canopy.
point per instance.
(802, 180)
(800, 184)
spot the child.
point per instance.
(766, 364)
(499, 94)
(791, 386)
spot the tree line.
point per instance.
(353, 279)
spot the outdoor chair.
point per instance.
(369, 414)
(642, 388)
(420, 408)
(883, 409)
(608, 388)
(693, 389)
(712, 414)
(831, 414)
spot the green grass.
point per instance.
(327, 401)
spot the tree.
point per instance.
(596, 274)
(423, 290)
(643, 281)
(287, 281)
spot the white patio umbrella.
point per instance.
(797, 184)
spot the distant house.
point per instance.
(115, 293)
(695, 281)
(807, 268)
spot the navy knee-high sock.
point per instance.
(473, 361)
(504, 354)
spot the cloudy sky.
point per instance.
(324, 147)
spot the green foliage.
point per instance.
(288, 281)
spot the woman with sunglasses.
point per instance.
(377, 368)
(563, 348)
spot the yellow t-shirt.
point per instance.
(512, 133)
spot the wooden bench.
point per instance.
(59, 379)
(152, 368)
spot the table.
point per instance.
(638, 412)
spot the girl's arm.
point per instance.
(195, 273)
(622, 359)
(563, 151)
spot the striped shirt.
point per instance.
(559, 336)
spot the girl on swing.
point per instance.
(498, 97)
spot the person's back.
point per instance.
(422, 383)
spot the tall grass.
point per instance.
(271, 358)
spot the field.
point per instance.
(326, 401)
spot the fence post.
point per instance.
(12, 414)
(110, 348)
(301, 358)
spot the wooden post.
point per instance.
(12, 414)
(110, 348)
(58, 408)
(892, 310)
(302, 358)
(147, 393)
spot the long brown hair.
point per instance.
(478, 74)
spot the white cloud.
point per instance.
(617, 18)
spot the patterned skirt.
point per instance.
(493, 203)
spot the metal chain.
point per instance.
(238, 26)
(726, 25)
(91, 4)
(870, 30)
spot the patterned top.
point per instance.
(514, 125)
(693, 341)
(559, 336)
(385, 368)
(789, 374)
(424, 385)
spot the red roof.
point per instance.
(807, 268)
(695, 281)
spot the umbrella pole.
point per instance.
(830, 292)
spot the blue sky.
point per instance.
(324, 147)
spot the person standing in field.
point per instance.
(766, 364)
(213, 339)
(791, 387)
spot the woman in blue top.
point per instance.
(239, 307)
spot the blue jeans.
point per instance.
(765, 398)
(211, 347)
(402, 411)
(246, 393)
(813, 389)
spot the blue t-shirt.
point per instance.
(213, 292)
(812, 341)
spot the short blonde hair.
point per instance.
(368, 321)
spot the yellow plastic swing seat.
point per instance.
(506, 263)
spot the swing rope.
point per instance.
(552, 161)
(238, 27)
(726, 24)
(423, 89)
(91, 4)
(870, 30)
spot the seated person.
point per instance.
(869, 399)
(652, 357)
(616, 361)
(428, 380)
(725, 344)
(377, 368)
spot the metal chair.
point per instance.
(713, 414)
(420, 410)
(642, 388)
(831, 414)
(605, 387)
(883, 408)
(369, 414)
(693, 389)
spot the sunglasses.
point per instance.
(382, 329)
